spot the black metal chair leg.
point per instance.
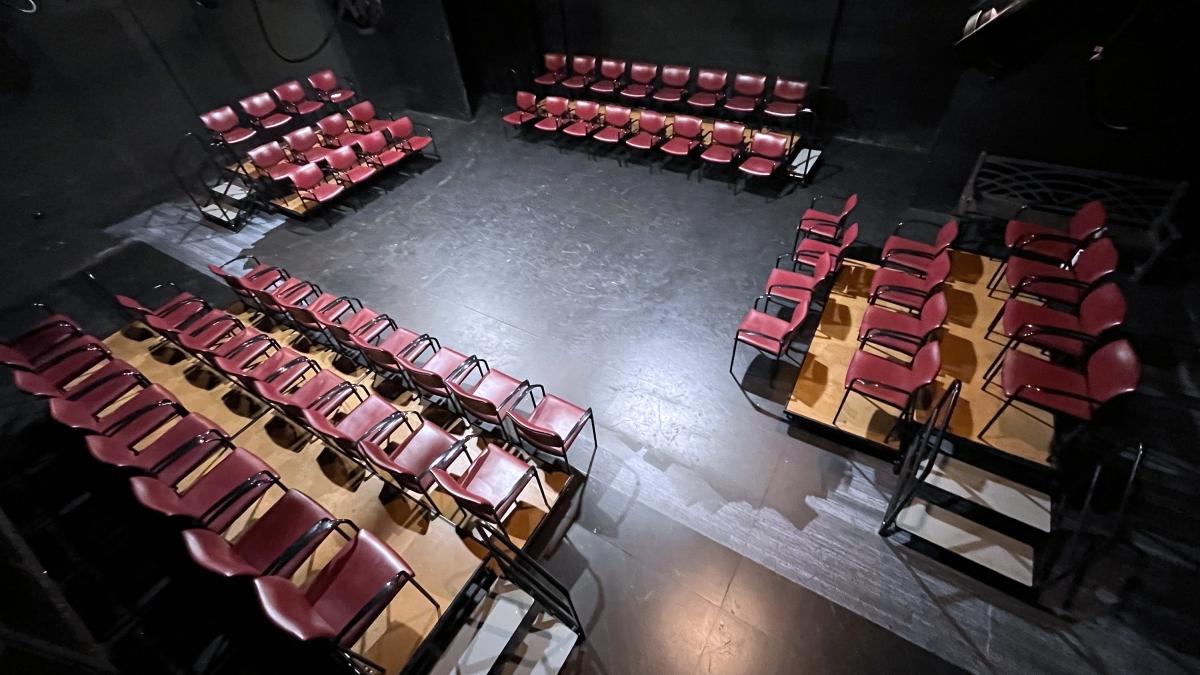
(1007, 402)
(541, 489)
(840, 406)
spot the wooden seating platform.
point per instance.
(444, 560)
(1022, 432)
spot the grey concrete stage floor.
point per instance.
(713, 538)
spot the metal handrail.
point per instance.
(921, 455)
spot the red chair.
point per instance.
(557, 114)
(1062, 333)
(587, 120)
(1067, 285)
(710, 89)
(305, 146)
(323, 393)
(349, 592)
(553, 426)
(384, 352)
(169, 457)
(217, 497)
(260, 110)
(583, 71)
(274, 544)
(260, 277)
(1112, 370)
(787, 99)
(270, 159)
(895, 384)
(376, 150)
(687, 134)
(408, 462)
(489, 488)
(373, 420)
(652, 126)
(275, 300)
(312, 187)
(906, 290)
(612, 73)
(641, 81)
(768, 334)
(556, 69)
(768, 152)
(360, 324)
(1045, 244)
(174, 314)
(823, 225)
(54, 334)
(488, 399)
(81, 409)
(335, 131)
(346, 169)
(913, 256)
(673, 83)
(789, 287)
(222, 124)
(249, 341)
(429, 376)
(748, 93)
(325, 84)
(281, 367)
(810, 250)
(727, 143)
(209, 332)
(52, 376)
(401, 133)
(364, 119)
(618, 125)
(293, 99)
(900, 331)
(526, 111)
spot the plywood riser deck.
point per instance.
(443, 560)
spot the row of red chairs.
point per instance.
(281, 106)
(644, 82)
(119, 410)
(678, 136)
(320, 163)
(1061, 302)
(486, 397)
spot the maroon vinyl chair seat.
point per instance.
(402, 133)
(767, 333)
(553, 425)
(169, 457)
(809, 249)
(217, 497)
(583, 71)
(490, 487)
(378, 152)
(906, 290)
(618, 125)
(364, 118)
(384, 352)
(372, 420)
(293, 99)
(1063, 284)
(555, 65)
(672, 84)
(276, 299)
(710, 89)
(260, 109)
(223, 125)
(276, 543)
(1026, 238)
(587, 120)
(612, 75)
(767, 153)
(126, 389)
(174, 314)
(687, 134)
(281, 368)
(326, 86)
(748, 92)
(360, 324)
(260, 277)
(52, 335)
(526, 111)
(793, 287)
(727, 143)
(651, 131)
(901, 331)
(52, 376)
(409, 460)
(914, 255)
(641, 81)
(208, 332)
(890, 382)
(822, 224)
(429, 376)
(556, 114)
(311, 185)
(1112, 370)
(305, 146)
(315, 309)
(248, 343)
(488, 399)
(787, 98)
(323, 393)
(346, 169)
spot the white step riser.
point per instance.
(967, 538)
(999, 494)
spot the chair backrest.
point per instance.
(935, 311)
(267, 155)
(545, 437)
(291, 91)
(526, 101)
(258, 105)
(939, 269)
(823, 266)
(307, 176)
(343, 158)
(726, 133)
(201, 437)
(373, 143)
(355, 576)
(583, 64)
(231, 472)
(1088, 222)
(1112, 370)
(750, 84)
(946, 234)
(1102, 308)
(587, 110)
(401, 128)
(792, 91)
(711, 79)
(554, 61)
(849, 236)
(676, 76)
(323, 80)
(272, 533)
(1096, 261)
(687, 126)
(643, 73)
(220, 120)
(301, 139)
(927, 362)
(652, 121)
(333, 125)
(767, 144)
(479, 407)
(612, 69)
(362, 112)
(617, 115)
(849, 204)
(556, 106)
